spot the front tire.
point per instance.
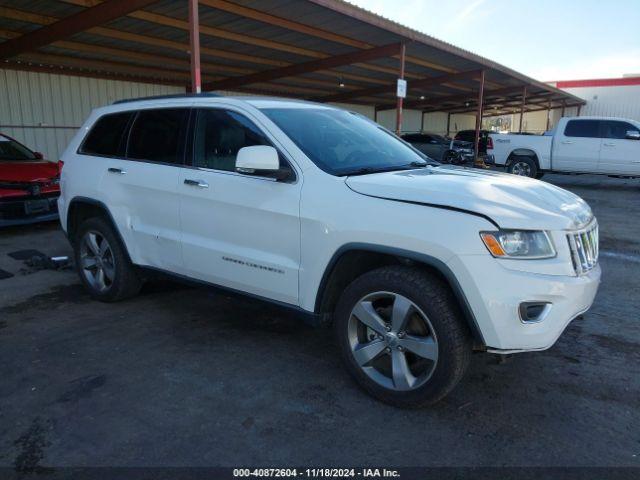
(401, 336)
(102, 262)
(523, 166)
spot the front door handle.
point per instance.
(196, 183)
(117, 171)
(609, 144)
(567, 142)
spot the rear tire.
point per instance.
(523, 166)
(102, 262)
(415, 361)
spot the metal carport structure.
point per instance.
(322, 50)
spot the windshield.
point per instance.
(12, 150)
(345, 143)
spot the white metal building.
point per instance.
(610, 97)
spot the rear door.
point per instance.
(620, 153)
(142, 186)
(577, 147)
(238, 231)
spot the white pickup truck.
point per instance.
(608, 146)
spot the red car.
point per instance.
(29, 185)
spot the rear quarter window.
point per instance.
(106, 137)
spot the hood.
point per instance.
(28, 171)
(511, 201)
(462, 144)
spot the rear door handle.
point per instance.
(196, 183)
(567, 142)
(117, 171)
(609, 144)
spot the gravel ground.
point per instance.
(181, 376)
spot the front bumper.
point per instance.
(495, 294)
(26, 210)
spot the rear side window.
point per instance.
(106, 138)
(158, 135)
(617, 129)
(582, 128)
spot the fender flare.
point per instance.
(513, 153)
(102, 206)
(429, 260)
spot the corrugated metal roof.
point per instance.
(237, 42)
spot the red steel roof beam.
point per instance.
(306, 67)
(66, 27)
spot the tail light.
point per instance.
(60, 165)
(489, 143)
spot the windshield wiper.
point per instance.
(369, 170)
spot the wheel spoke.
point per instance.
(366, 352)
(402, 377)
(88, 262)
(100, 279)
(365, 312)
(104, 247)
(92, 243)
(424, 347)
(109, 271)
(402, 307)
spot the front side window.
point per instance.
(12, 150)
(344, 143)
(157, 135)
(219, 135)
(106, 135)
(617, 129)
(582, 128)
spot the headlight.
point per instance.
(522, 244)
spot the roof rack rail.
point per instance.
(162, 97)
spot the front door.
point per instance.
(577, 149)
(619, 154)
(238, 231)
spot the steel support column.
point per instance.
(400, 99)
(548, 115)
(448, 123)
(194, 40)
(564, 103)
(479, 115)
(524, 101)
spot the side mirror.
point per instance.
(260, 160)
(633, 135)
(38, 155)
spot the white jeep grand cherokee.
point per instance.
(323, 211)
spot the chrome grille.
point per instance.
(584, 248)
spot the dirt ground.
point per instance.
(181, 376)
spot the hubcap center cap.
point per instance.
(391, 339)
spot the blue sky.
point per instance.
(545, 39)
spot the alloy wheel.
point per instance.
(97, 261)
(392, 341)
(521, 168)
